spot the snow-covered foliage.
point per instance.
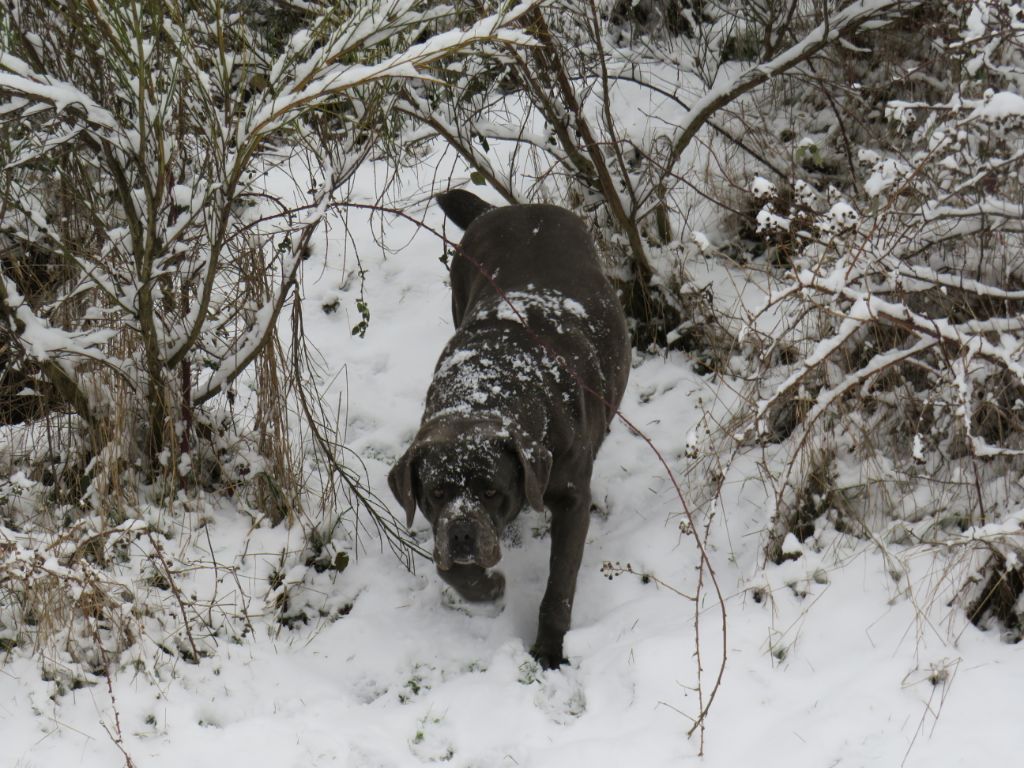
(161, 126)
(902, 307)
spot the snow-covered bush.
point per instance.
(904, 302)
(147, 262)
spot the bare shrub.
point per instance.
(145, 265)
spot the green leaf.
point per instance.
(341, 561)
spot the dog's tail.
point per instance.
(462, 207)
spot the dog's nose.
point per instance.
(462, 541)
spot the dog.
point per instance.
(521, 399)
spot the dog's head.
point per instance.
(470, 480)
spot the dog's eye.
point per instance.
(490, 493)
(437, 493)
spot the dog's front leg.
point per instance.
(570, 517)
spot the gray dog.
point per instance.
(521, 399)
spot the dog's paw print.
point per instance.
(560, 697)
(429, 743)
(558, 692)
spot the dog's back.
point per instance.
(536, 265)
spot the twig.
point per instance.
(117, 736)
(158, 551)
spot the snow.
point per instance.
(702, 241)
(20, 79)
(516, 306)
(760, 187)
(44, 341)
(768, 220)
(885, 174)
(842, 215)
(999, 106)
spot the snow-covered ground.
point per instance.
(845, 656)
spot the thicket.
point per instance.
(145, 266)
(891, 353)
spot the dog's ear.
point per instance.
(536, 461)
(402, 484)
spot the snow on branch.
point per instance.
(139, 159)
(18, 80)
(930, 266)
(321, 77)
(43, 341)
(855, 16)
(867, 307)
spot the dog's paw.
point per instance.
(491, 587)
(548, 658)
(453, 601)
(474, 584)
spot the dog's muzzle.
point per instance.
(463, 535)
